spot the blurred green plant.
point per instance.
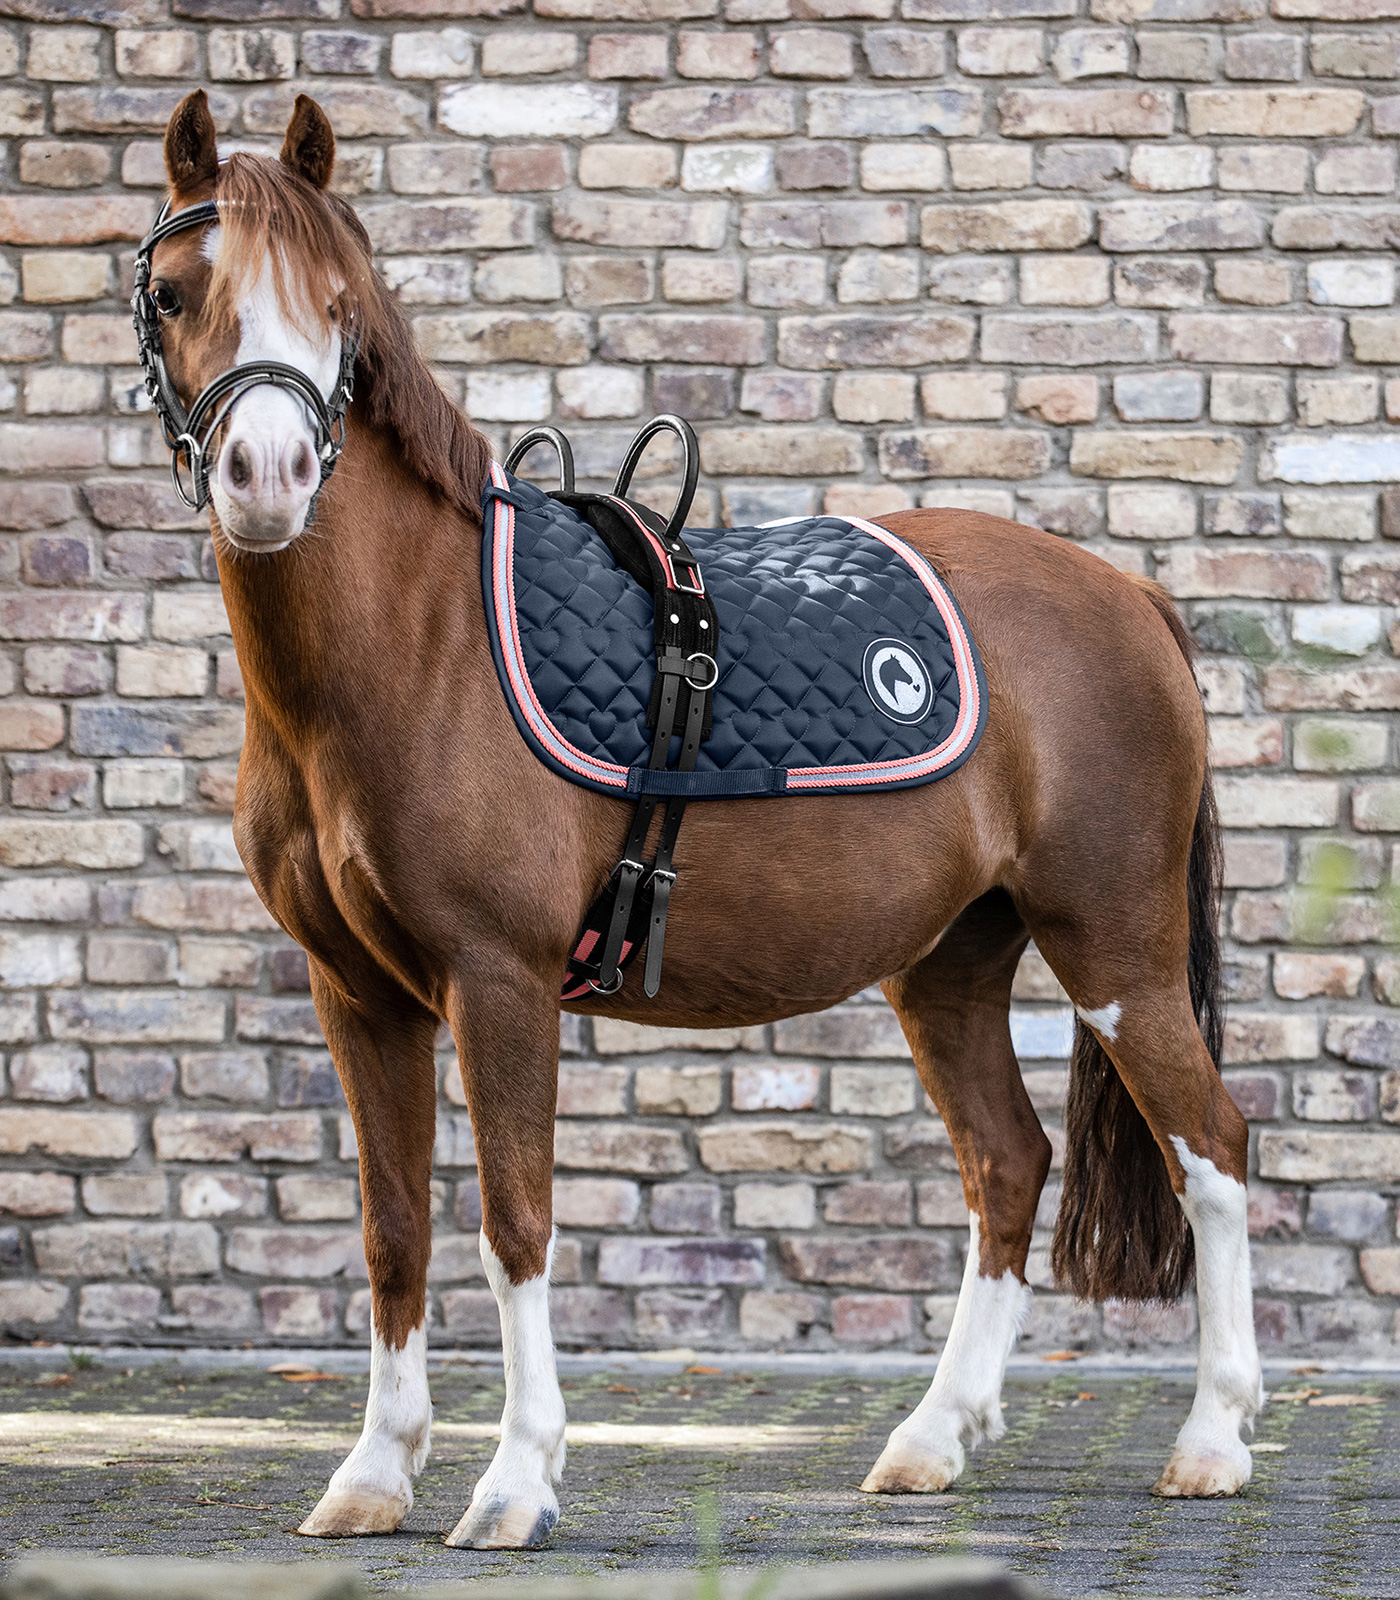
(708, 1540)
(1327, 896)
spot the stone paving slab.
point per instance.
(170, 1459)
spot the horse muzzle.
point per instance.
(267, 472)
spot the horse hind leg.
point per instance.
(954, 1009)
(1155, 1146)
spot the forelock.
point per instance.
(312, 244)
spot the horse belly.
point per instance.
(789, 905)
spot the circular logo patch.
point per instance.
(897, 681)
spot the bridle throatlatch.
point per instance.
(188, 434)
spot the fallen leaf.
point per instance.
(620, 1388)
(1345, 1400)
(1306, 1372)
(1086, 1396)
(53, 1380)
(1267, 1449)
(709, 1372)
(1294, 1395)
(1061, 1355)
(313, 1377)
(290, 1366)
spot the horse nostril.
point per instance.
(240, 466)
(302, 464)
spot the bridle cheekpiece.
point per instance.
(189, 433)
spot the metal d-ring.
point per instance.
(702, 688)
(690, 446)
(550, 436)
(618, 980)
(194, 457)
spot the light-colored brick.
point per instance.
(1273, 113)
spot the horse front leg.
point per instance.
(382, 1044)
(507, 1032)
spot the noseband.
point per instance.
(189, 433)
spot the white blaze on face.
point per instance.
(267, 469)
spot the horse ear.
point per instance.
(309, 148)
(191, 146)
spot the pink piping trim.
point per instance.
(600, 771)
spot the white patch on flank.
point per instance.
(963, 1404)
(267, 418)
(393, 1446)
(530, 1457)
(1103, 1021)
(1229, 1386)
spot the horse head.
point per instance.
(252, 310)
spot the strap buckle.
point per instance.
(691, 568)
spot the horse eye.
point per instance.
(165, 300)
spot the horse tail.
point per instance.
(1121, 1232)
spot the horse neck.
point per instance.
(336, 628)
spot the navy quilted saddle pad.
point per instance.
(844, 663)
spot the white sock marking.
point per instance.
(393, 1446)
(530, 1457)
(963, 1404)
(1228, 1383)
(1104, 1020)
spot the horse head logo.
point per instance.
(897, 681)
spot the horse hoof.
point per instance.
(503, 1525)
(355, 1513)
(905, 1469)
(1203, 1477)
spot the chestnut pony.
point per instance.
(396, 825)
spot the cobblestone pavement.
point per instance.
(173, 1460)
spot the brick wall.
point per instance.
(1131, 280)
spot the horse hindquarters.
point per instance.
(954, 1008)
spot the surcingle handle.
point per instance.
(557, 442)
(690, 449)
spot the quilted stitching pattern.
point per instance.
(797, 606)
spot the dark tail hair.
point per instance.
(1121, 1232)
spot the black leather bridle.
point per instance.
(189, 433)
